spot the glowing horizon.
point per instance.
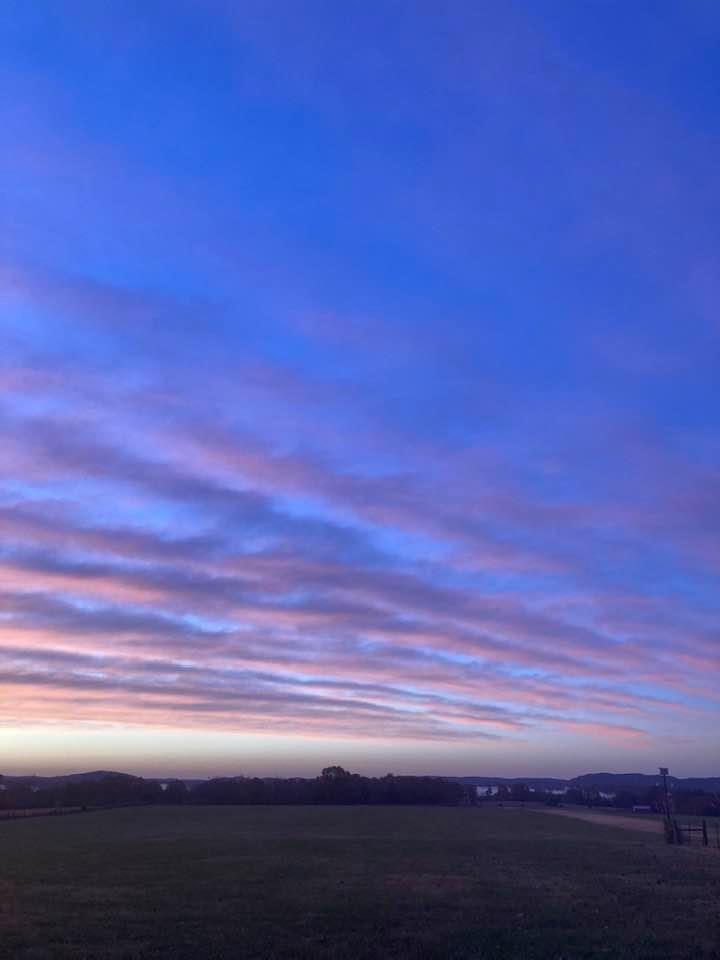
(164, 754)
(358, 391)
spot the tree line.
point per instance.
(690, 802)
(334, 785)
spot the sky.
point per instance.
(359, 387)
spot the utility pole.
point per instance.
(664, 774)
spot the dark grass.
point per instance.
(350, 882)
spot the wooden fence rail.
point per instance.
(676, 832)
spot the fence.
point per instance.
(676, 832)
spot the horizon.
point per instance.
(358, 387)
(154, 775)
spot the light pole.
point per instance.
(664, 774)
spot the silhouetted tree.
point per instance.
(625, 800)
(175, 792)
(520, 791)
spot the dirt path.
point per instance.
(607, 819)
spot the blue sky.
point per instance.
(359, 386)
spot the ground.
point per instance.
(629, 821)
(350, 882)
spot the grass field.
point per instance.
(350, 882)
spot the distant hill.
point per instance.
(605, 782)
(43, 783)
(608, 782)
(700, 783)
(47, 783)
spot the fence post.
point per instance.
(705, 836)
(678, 832)
(669, 835)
